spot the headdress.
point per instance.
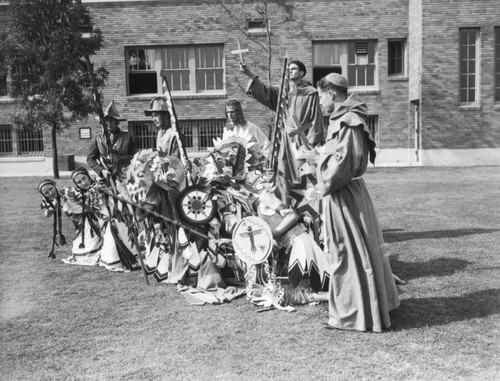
(157, 104)
(112, 112)
(46, 182)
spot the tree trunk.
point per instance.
(55, 164)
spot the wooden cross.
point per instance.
(240, 52)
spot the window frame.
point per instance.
(160, 66)
(344, 64)
(404, 55)
(21, 142)
(467, 73)
(496, 65)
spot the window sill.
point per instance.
(364, 91)
(148, 97)
(496, 107)
(397, 78)
(5, 159)
(5, 99)
(471, 107)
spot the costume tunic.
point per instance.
(362, 290)
(122, 150)
(166, 142)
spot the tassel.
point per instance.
(61, 239)
(82, 244)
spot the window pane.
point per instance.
(497, 64)
(351, 75)
(142, 83)
(361, 76)
(351, 52)
(144, 134)
(370, 75)
(6, 146)
(30, 141)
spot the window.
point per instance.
(469, 65)
(256, 26)
(143, 133)
(355, 60)
(199, 134)
(20, 142)
(187, 69)
(396, 57)
(497, 64)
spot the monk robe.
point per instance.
(362, 290)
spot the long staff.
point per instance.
(106, 161)
(134, 205)
(278, 122)
(173, 122)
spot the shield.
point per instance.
(252, 240)
(195, 206)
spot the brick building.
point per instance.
(428, 70)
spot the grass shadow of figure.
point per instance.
(434, 267)
(399, 235)
(435, 311)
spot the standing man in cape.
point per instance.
(304, 120)
(362, 289)
(105, 157)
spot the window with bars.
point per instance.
(469, 64)
(189, 69)
(497, 64)
(199, 134)
(396, 57)
(355, 60)
(20, 142)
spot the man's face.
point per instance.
(294, 72)
(326, 101)
(231, 113)
(82, 181)
(160, 119)
(112, 125)
(49, 191)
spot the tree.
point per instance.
(48, 56)
(270, 14)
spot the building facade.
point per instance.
(428, 70)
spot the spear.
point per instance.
(278, 122)
(173, 122)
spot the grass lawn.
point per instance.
(442, 230)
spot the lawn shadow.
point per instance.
(417, 313)
(433, 267)
(399, 235)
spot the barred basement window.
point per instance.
(144, 134)
(199, 134)
(20, 142)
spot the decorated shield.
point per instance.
(195, 206)
(252, 240)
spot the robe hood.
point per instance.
(354, 104)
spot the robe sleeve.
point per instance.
(262, 93)
(93, 157)
(316, 133)
(341, 159)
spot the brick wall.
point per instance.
(445, 124)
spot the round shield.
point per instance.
(195, 206)
(252, 240)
